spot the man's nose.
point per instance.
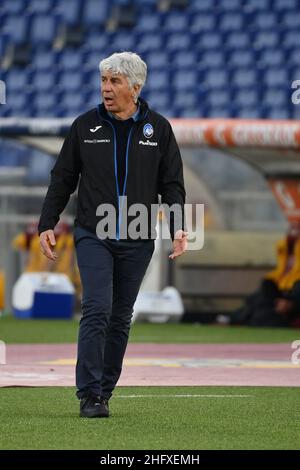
(106, 86)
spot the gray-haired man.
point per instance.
(121, 148)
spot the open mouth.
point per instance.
(108, 100)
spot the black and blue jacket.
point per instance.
(153, 167)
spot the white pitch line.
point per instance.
(183, 396)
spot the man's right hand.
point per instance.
(47, 241)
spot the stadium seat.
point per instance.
(202, 23)
(213, 58)
(209, 41)
(149, 42)
(38, 6)
(237, 40)
(231, 22)
(15, 7)
(148, 23)
(43, 29)
(265, 20)
(158, 99)
(95, 12)
(246, 98)
(185, 80)
(204, 5)
(175, 23)
(178, 41)
(69, 11)
(218, 98)
(158, 80)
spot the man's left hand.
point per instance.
(180, 244)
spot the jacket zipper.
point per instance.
(116, 175)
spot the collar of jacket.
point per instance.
(144, 109)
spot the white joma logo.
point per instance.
(96, 128)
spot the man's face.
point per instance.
(116, 93)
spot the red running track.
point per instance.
(159, 364)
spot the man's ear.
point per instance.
(136, 89)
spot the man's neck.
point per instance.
(123, 115)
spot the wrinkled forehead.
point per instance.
(113, 74)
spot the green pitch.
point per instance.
(153, 418)
(61, 331)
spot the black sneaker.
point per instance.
(92, 406)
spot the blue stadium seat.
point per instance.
(189, 113)
(218, 112)
(158, 60)
(95, 12)
(17, 27)
(275, 77)
(218, 98)
(123, 42)
(184, 59)
(38, 6)
(72, 100)
(178, 41)
(43, 29)
(204, 5)
(294, 57)
(295, 112)
(272, 57)
(158, 99)
(14, 6)
(148, 23)
(45, 101)
(70, 81)
(245, 78)
(92, 98)
(246, 98)
(266, 39)
(44, 59)
(148, 42)
(204, 22)
(291, 19)
(184, 80)
(216, 78)
(277, 113)
(232, 5)
(212, 59)
(210, 41)
(158, 80)
(280, 5)
(231, 22)
(70, 11)
(265, 20)
(70, 59)
(259, 5)
(249, 113)
(241, 58)
(44, 81)
(238, 40)
(215, 58)
(175, 23)
(185, 99)
(274, 97)
(291, 39)
(16, 81)
(17, 101)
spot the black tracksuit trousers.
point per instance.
(111, 274)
